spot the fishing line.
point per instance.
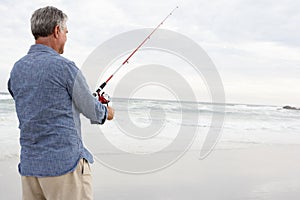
(104, 98)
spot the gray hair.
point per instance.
(44, 20)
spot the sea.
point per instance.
(243, 126)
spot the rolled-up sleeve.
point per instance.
(82, 98)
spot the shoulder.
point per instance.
(64, 65)
(62, 61)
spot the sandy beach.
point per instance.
(257, 172)
(213, 74)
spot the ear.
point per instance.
(56, 31)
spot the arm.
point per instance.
(84, 101)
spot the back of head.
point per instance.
(44, 20)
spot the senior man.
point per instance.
(50, 93)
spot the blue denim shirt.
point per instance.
(50, 93)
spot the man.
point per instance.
(50, 93)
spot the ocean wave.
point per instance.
(243, 123)
(7, 106)
(4, 96)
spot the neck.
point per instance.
(48, 41)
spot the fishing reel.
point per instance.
(103, 97)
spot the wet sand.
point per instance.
(257, 172)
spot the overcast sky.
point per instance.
(254, 44)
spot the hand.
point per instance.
(110, 113)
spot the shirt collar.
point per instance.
(42, 48)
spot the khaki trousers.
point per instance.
(76, 185)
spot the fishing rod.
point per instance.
(104, 98)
